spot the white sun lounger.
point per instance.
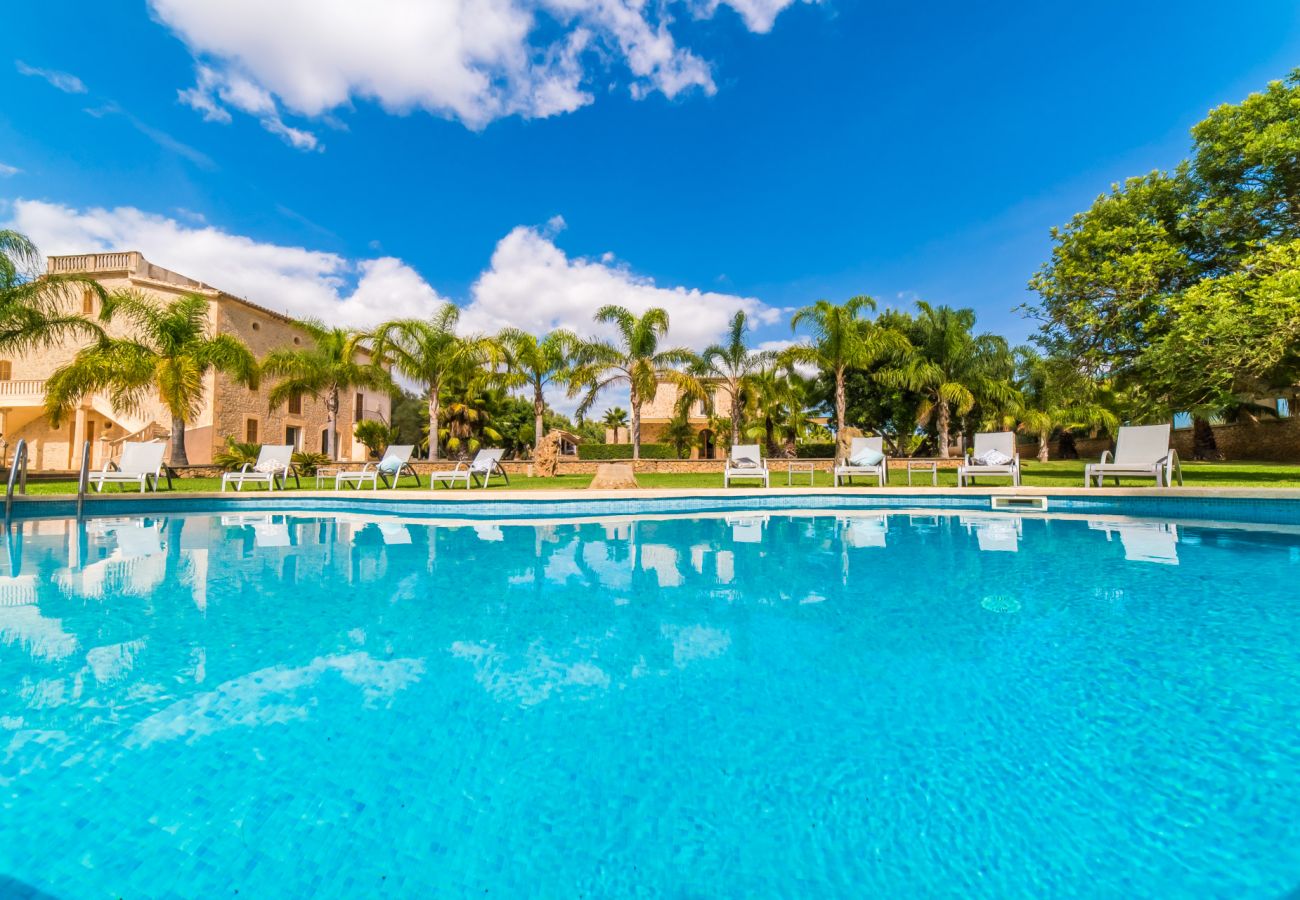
(1141, 451)
(845, 469)
(1002, 441)
(865, 531)
(274, 462)
(745, 461)
(395, 463)
(1153, 542)
(141, 464)
(486, 463)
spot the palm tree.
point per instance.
(842, 341)
(615, 418)
(1054, 395)
(430, 352)
(536, 364)
(169, 356)
(467, 403)
(38, 310)
(951, 368)
(781, 399)
(334, 364)
(636, 361)
(734, 366)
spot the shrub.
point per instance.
(818, 450)
(308, 463)
(624, 451)
(374, 435)
(236, 455)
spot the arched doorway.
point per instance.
(707, 443)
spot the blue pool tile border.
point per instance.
(1258, 510)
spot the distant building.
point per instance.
(658, 411)
(229, 410)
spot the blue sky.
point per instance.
(531, 159)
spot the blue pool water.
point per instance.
(787, 705)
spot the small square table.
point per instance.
(325, 475)
(923, 465)
(801, 466)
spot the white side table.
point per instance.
(325, 475)
(923, 465)
(800, 466)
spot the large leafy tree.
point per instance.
(951, 368)
(430, 352)
(842, 340)
(336, 362)
(38, 310)
(1173, 286)
(167, 354)
(635, 360)
(734, 366)
(535, 364)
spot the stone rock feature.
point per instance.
(613, 477)
(845, 441)
(546, 458)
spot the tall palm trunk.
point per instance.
(433, 424)
(1042, 445)
(332, 422)
(945, 424)
(1204, 446)
(735, 414)
(177, 455)
(636, 423)
(840, 402)
(539, 414)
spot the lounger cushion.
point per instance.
(867, 458)
(992, 458)
(389, 465)
(743, 462)
(270, 467)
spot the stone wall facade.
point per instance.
(228, 410)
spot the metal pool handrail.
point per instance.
(83, 480)
(17, 476)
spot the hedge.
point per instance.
(818, 450)
(624, 451)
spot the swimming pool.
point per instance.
(772, 703)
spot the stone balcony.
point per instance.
(22, 392)
(127, 263)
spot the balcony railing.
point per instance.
(95, 262)
(22, 388)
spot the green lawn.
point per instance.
(1053, 474)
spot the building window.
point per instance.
(360, 410)
(250, 431)
(293, 437)
(295, 406)
(257, 326)
(6, 370)
(88, 302)
(1283, 404)
(325, 441)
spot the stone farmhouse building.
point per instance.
(229, 410)
(658, 411)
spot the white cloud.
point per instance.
(530, 282)
(295, 280)
(6, 171)
(68, 83)
(471, 60)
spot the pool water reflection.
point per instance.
(764, 704)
